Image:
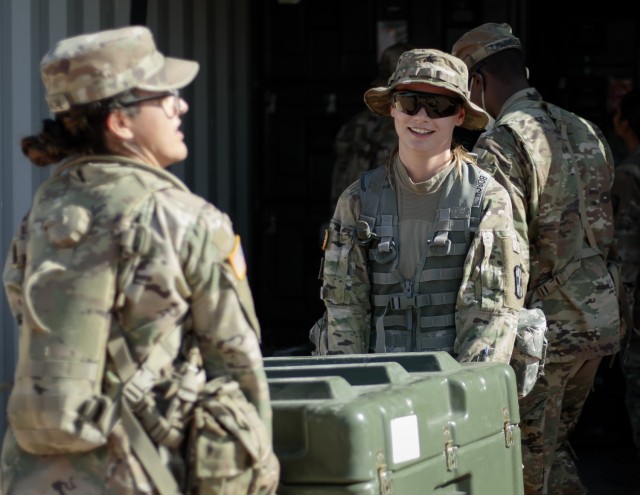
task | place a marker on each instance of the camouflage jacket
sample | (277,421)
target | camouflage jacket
(363,143)
(193,277)
(625,196)
(485,311)
(526,152)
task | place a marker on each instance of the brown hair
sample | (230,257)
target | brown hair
(459,152)
(79,131)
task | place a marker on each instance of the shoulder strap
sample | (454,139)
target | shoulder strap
(371,184)
(139,380)
(557,118)
(470,194)
(563,275)
(379,215)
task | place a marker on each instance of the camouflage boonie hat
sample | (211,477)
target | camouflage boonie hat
(91,67)
(429,66)
(484,40)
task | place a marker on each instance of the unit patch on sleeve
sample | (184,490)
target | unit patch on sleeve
(237,261)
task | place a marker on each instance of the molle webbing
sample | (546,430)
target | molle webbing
(418,314)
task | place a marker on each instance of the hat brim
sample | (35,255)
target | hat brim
(175,74)
(379,101)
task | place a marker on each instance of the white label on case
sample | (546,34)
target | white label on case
(405,441)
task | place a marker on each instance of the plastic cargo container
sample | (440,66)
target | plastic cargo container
(401,424)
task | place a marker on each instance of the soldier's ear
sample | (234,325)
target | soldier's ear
(118,124)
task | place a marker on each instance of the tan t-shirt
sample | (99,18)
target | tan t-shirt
(417,205)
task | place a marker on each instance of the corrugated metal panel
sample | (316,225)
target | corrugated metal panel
(214,32)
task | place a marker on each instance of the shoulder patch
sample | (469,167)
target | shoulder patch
(237,261)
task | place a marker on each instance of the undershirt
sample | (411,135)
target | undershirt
(417,205)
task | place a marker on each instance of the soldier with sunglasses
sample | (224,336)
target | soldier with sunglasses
(558,169)
(421,255)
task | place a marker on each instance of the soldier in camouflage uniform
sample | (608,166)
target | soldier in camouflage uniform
(427,271)
(625,196)
(558,170)
(366,140)
(184,379)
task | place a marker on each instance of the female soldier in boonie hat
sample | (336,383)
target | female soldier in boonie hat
(433,68)
(131,295)
(421,255)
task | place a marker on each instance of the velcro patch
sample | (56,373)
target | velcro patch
(237,261)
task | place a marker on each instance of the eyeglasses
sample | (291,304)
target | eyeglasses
(170,101)
(437,106)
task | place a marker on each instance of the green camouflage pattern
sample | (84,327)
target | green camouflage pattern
(554,405)
(525,153)
(558,170)
(364,142)
(486,313)
(94,66)
(626,199)
(483,41)
(193,277)
(429,66)
(546,189)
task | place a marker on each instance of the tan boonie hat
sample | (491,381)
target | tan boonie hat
(484,40)
(94,66)
(429,66)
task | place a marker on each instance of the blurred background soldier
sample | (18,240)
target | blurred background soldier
(558,169)
(625,196)
(366,140)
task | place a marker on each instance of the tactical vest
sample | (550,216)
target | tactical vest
(418,314)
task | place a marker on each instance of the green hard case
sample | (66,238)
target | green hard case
(401,424)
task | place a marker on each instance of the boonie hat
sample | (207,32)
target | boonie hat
(429,66)
(484,40)
(91,67)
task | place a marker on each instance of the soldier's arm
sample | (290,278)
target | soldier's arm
(492,289)
(501,156)
(222,307)
(345,281)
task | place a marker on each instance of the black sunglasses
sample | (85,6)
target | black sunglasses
(437,106)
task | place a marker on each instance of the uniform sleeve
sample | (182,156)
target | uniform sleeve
(508,164)
(222,307)
(492,289)
(345,286)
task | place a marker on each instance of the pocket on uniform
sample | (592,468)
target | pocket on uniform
(336,276)
(491,290)
(229,443)
(529,352)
